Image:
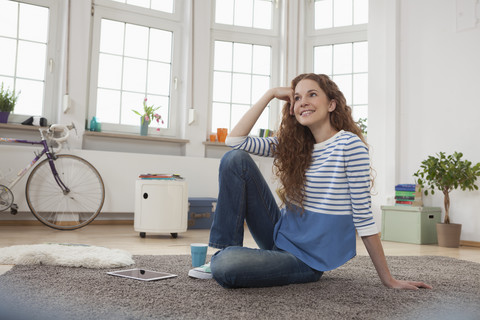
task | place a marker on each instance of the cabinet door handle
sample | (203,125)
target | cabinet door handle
(201,215)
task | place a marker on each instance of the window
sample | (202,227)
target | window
(27,42)
(134,63)
(339,13)
(244,55)
(244,13)
(338,48)
(347,65)
(133,59)
(241,74)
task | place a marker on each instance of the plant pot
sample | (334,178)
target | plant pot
(448,234)
(4,116)
(144,127)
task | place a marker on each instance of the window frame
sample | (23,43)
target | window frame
(330,36)
(53,63)
(175,16)
(274,32)
(125,13)
(254,36)
(330,39)
(335,35)
(309,10)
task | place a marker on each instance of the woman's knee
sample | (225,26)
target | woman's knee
(234,159)
(239,267)
(224,265)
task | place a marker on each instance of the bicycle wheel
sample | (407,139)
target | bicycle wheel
(6,198)
(65,210)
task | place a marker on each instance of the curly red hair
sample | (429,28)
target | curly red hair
(293,154)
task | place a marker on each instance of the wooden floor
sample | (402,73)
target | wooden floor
(124,237)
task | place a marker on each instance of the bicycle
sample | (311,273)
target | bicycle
(63,192)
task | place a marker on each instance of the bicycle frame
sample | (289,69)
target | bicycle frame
(38,156)
(53,203)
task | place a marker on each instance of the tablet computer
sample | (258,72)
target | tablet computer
(142,274)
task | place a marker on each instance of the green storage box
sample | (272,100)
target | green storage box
(410,224)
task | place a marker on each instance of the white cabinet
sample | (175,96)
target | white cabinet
(161,206)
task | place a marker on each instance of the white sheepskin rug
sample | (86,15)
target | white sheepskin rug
(68,255)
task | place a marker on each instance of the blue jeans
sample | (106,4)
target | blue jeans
(245,196)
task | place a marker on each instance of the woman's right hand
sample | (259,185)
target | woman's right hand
(246,123)
(285,94)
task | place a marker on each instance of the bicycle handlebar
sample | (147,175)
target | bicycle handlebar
(62,128)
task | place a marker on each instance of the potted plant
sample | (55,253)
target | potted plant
(362,123)
(148,115)
(446,173)
(8,99)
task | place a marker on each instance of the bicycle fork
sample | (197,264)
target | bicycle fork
(59,181)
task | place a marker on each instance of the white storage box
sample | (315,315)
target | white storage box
(161,206)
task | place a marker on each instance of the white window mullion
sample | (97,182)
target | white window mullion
(17,35)
(148,60)
(230,104)
(177,6)
(122,73)
(251,74)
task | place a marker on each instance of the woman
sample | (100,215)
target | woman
(323,165)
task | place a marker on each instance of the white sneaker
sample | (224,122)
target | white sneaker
(202,272)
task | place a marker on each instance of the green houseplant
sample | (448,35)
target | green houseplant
(447,173)
(362,123)
(8,99)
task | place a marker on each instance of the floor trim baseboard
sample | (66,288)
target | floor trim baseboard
(470,243)
(465,243)
(38,223)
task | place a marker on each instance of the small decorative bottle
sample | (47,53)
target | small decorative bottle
(93,124)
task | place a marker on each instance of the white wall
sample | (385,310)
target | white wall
(120,170)
(77,66)
(430,104)
(423,92)
(383,100)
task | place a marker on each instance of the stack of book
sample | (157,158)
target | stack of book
(160,176)
(408,195)
(265,133)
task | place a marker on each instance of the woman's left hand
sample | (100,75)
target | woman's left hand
(375,250)
(408,285)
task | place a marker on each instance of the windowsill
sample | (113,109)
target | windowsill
(134,137)
(215,144)
(18,126)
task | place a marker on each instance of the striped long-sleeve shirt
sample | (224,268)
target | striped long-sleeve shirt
(337,201)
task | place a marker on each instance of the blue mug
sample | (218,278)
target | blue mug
(199,254)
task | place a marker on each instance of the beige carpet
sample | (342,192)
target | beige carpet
(350,292)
